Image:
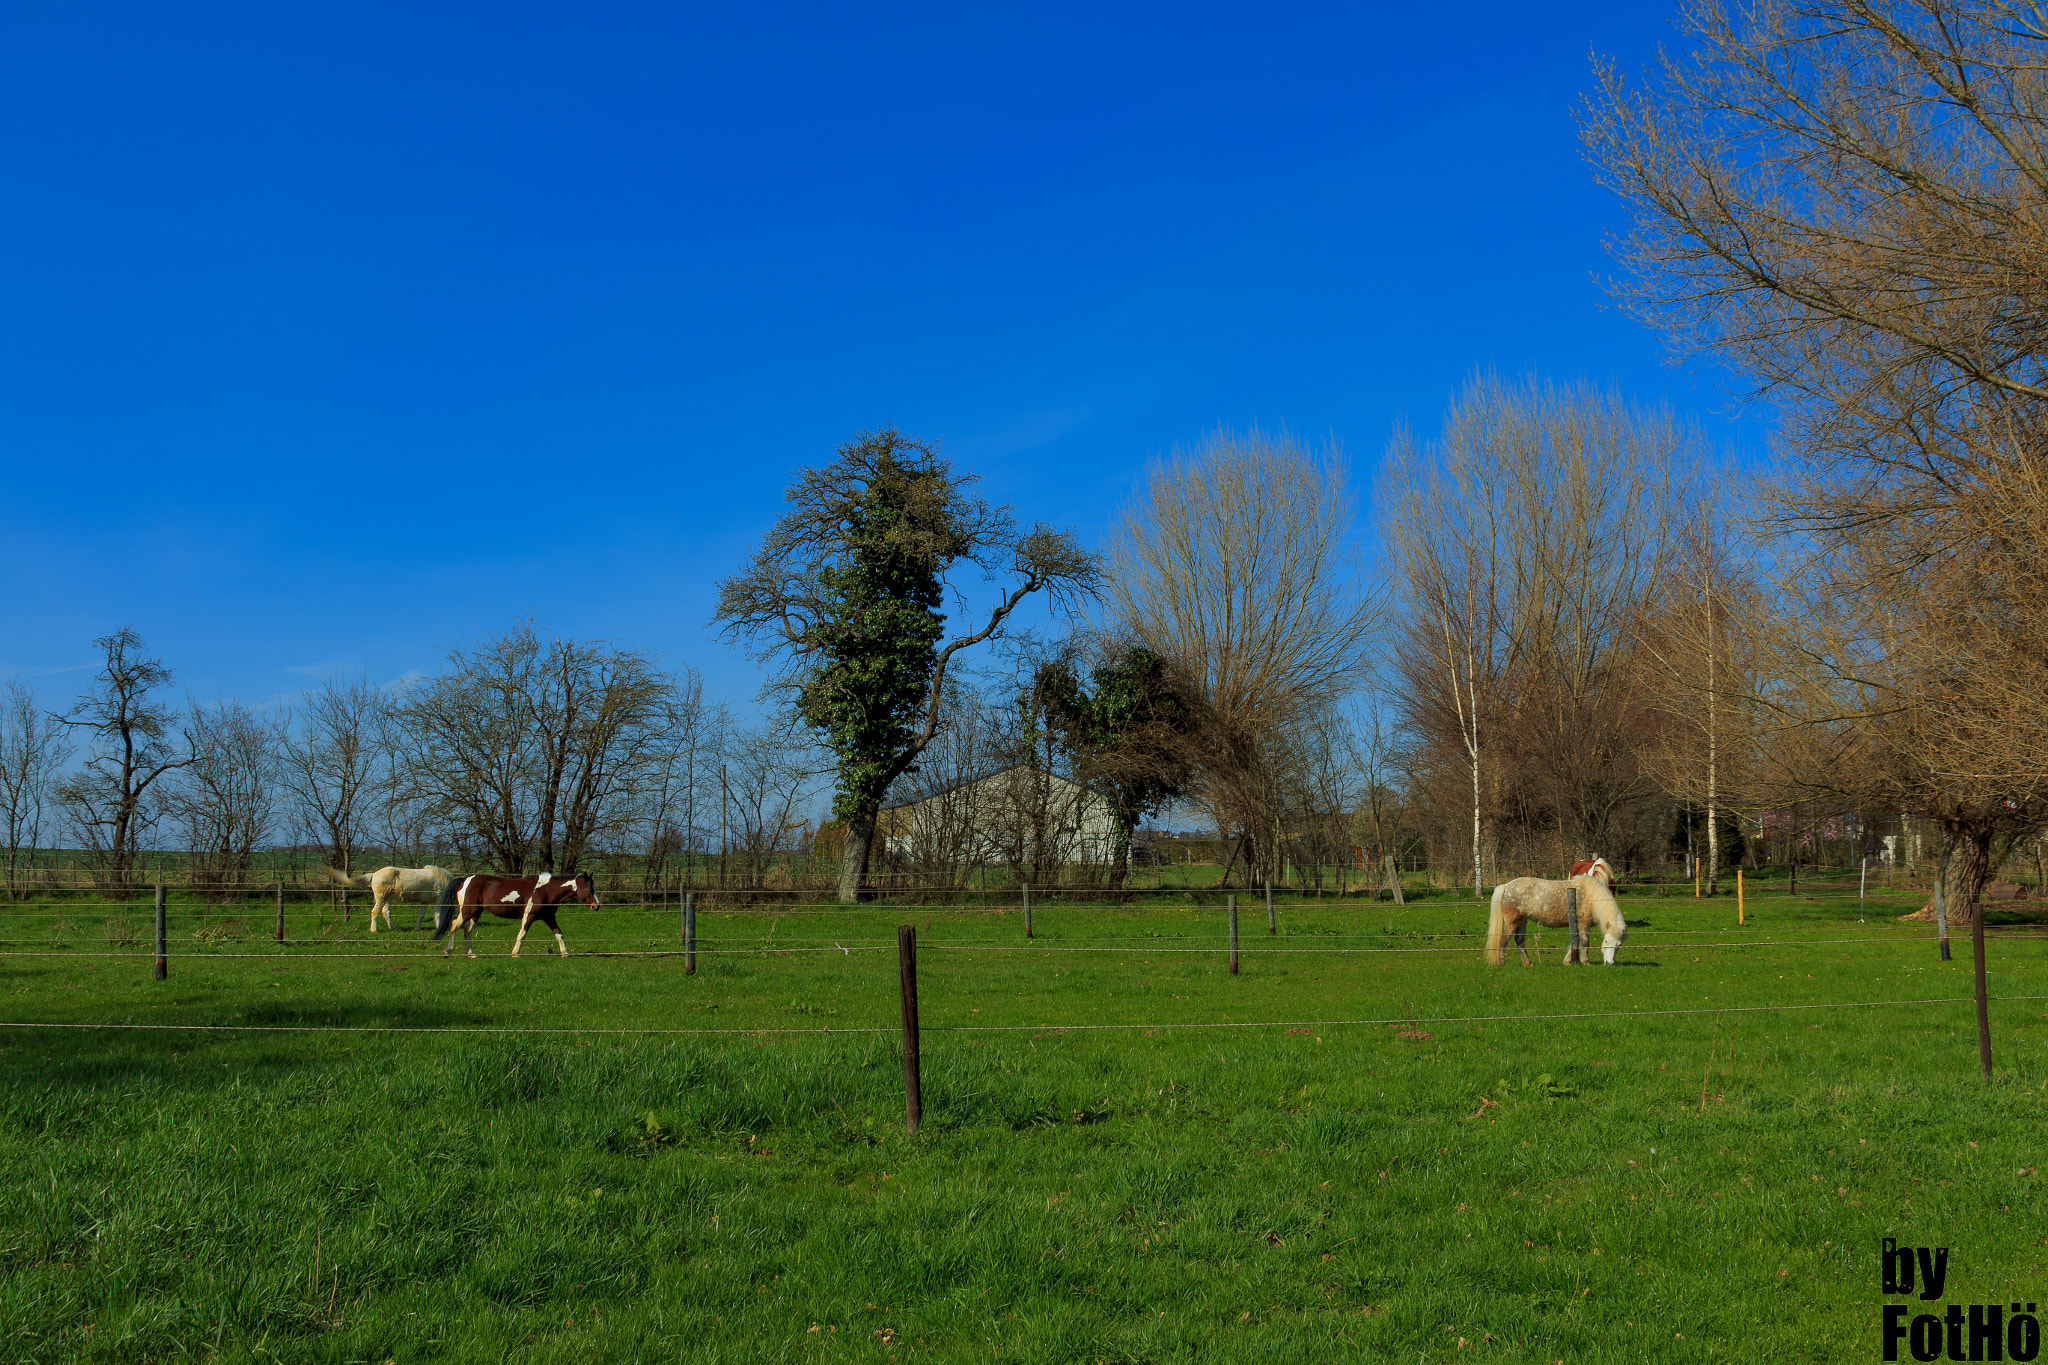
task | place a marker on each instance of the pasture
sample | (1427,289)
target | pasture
(1364,1146)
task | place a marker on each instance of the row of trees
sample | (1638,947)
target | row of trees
(1584,640)
(526,754)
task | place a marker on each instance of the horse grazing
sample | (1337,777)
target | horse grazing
(419,885)
(1517,902)
(1595,866)
(529,898)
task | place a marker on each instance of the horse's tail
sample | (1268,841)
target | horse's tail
(445,907)
(1496,930)
(360,880)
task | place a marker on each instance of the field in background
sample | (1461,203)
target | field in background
(1364,1146)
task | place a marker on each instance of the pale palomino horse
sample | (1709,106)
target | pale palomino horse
(417,885)
(1517,902)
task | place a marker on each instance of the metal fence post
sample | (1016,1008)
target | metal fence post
(1233,936)
(163,942)
(280,912)
(906,976)
(1571,915)
(1272,925)
(689,933)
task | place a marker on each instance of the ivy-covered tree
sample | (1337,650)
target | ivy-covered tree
(846,596)
(1128,739)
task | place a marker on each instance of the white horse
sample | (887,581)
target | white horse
(427,885)
(1517,902)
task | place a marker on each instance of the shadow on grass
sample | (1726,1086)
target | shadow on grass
(193,1058)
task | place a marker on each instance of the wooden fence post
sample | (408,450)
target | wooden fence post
(689,933)
(1940,916)
(1862,889)
(1233,936)
(1738,898)
(1027,910)
(1394,881)
(280,912)
(1983,1010)
(906,974)
(163,942)
(1272,925)
(1571,916)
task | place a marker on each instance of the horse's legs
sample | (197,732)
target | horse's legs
(525,923)
(467,925)
(1522,939)
(561,943)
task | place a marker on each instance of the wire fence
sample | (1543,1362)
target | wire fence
(1218,943)
(1386,1021)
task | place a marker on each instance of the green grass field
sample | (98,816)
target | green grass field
(1366,1146)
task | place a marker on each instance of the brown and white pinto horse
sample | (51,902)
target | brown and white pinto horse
(528,898)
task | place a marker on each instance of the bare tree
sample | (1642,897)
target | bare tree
(684,761)
(327,767)
(941,833)
(1700,678)
(532,750)
(1531,536)
(599,713)
(227,799)
(1236,565)
(33,747)
(471,746)
(1842,200)
(130,731)
(771,777)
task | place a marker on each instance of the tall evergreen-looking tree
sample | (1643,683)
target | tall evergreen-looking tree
(846,594)
(1129,739)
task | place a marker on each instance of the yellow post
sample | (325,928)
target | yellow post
(1695,881)
(1738,895)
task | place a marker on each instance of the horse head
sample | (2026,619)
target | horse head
(585,887)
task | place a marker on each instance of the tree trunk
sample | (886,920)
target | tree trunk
(853,863)
(1120,855)
(1965,867)
(1478,870)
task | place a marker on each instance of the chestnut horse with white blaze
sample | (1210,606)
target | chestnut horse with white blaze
(1595,866)
(527,898)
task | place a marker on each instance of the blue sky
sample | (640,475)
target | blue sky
(335,336)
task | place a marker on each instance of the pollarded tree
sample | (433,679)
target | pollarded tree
(846,593)
(1129,739)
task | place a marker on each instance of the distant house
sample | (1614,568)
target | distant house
(1017,815)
